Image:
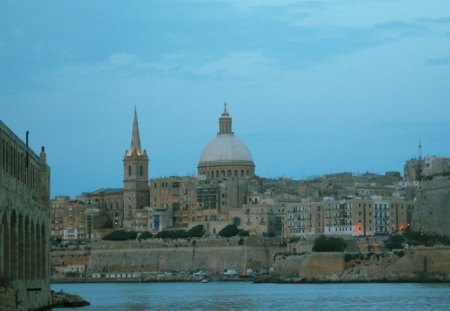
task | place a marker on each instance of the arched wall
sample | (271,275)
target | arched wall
(23,245)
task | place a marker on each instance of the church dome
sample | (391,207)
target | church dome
(225,148)
(226,155)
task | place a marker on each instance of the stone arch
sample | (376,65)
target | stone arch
(27,248)
(6,246)
(14,246)
(21,248)
(32,251)
(38,251)
(44,263)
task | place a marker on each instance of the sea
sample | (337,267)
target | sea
(250,296)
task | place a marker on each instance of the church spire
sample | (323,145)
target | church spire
(135,139)
(225,122)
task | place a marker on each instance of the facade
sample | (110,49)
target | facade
(436,166)
(24,221)
(72,219)
(416,169)
(353,216)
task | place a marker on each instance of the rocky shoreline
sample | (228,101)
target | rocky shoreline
(65,300)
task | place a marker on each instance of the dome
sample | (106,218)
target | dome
(225,148)
(226,156)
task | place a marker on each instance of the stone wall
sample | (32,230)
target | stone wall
(431,213)
(211,256)
(413,265)
(24,223)
(7,299)
(309,265)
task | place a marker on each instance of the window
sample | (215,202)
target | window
(141,171)
(129,170)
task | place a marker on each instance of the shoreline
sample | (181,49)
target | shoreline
(258,280)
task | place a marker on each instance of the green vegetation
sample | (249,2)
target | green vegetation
(145,235)
(195,232)
(420,238)
(329,244)
(398,240)
(121,235)
(229,231)
(243,233)
(171,234)
(395,241)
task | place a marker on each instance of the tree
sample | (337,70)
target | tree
(394,241)
(329,244)
(196,232)
(171,234)
(145,235)
(120,235)
(229,231)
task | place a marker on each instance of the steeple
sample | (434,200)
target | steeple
(135,138)
(225,122)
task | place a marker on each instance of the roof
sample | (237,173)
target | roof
(225,148)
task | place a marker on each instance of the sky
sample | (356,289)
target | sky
(313,87)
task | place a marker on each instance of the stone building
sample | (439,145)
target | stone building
(24,221)
(352,216)
(135,172)
(109,202)
(72,219)
(226,155)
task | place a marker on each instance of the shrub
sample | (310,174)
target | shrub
(243,233)
(145,235)
(427,239)
(229,231)
(171,234)
(120,235)
(196,232)
(329,244)
(395,241)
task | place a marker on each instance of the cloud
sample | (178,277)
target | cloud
(439,61)
(242,65)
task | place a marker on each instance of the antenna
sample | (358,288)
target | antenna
(420,150)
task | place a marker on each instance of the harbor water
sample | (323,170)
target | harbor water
(250,296)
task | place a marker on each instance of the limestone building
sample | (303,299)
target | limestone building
(226,155)
(72,219)
(24,222)
(135,171)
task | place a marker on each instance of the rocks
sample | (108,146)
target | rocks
(66,300)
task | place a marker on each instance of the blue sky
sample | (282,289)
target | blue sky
(314,87)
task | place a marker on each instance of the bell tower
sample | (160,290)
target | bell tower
(136,193)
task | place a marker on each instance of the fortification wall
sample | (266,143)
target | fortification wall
(432,209)
(418,264)
(213,259)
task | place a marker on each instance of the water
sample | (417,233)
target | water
(249,296)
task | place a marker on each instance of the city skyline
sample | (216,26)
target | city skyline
(313,87)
